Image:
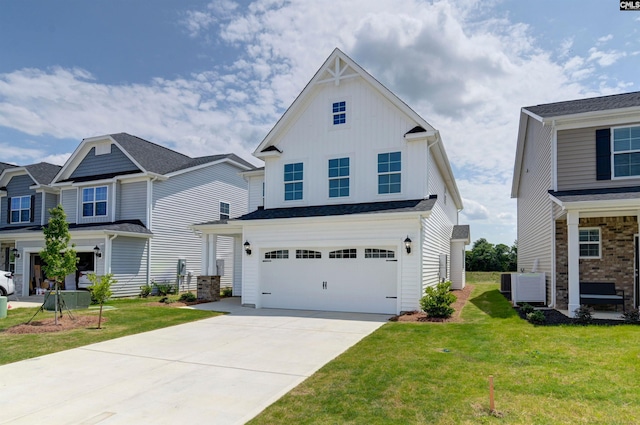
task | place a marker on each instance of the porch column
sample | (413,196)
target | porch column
(204,255)
(212,254)
(573,258)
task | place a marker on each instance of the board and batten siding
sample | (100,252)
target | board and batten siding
(535,213)
(373,126)
(128,265)
(190,198)
(107,164)
(69,201)
(132,201)
(577,161)
(19,186)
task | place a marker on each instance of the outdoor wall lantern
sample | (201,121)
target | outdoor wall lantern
(96,251)
(247,247)
(15,253)
(407,245)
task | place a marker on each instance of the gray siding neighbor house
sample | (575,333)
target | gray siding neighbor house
(577,184)
(131,199)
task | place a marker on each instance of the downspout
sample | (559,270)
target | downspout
(149,219)
(554,186)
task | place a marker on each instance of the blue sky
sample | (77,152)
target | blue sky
(206,77)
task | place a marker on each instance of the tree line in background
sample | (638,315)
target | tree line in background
(487,257)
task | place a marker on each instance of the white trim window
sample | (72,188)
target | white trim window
(293,177)
(224,211)
(94,201)
(339,112)
(590,242)
(21,209)
(389,172)
(626,151)
(338,177)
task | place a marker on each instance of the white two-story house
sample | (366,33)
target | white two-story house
(356,208)
(129,203)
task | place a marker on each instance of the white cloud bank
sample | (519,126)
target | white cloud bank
(466,72)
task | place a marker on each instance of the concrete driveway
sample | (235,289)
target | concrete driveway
(223,370)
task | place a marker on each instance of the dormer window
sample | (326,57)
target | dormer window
(339,112)
(94,201)
(21,209)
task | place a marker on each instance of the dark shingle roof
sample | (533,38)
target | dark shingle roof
(161,160)
(610,194)
(593,104)
(4,166)
(152,157)
(43,172)
(461,232)
(416,205)
(129,226)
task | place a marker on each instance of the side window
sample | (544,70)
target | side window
(339,110)
(589,242)
(224,211)
(293,178)
(389,172)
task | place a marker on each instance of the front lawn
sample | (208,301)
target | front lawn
(128,316)
(429,373)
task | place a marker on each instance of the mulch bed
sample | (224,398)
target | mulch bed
(555,318)
(65,323)
(462,295)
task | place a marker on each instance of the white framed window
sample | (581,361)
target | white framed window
(389,172)
(590,244)
(21,209)
(224,211)
(338,177)
(293,178)
(339,112)
(625,143)
(94,201)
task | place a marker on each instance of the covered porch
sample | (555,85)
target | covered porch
(596,242)
(222,250)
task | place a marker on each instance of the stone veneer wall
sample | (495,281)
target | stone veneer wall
(615,265)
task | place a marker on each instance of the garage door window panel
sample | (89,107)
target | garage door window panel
(344,253)
(379,253)
(307,253)
(277,254)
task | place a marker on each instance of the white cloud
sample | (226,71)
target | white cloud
(605,58)
(474,210)
(605,38)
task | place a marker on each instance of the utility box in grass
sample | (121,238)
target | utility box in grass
(73,300)
(208,288)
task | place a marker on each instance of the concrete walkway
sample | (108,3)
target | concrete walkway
(223,370)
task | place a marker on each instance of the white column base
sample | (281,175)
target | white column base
(572,309)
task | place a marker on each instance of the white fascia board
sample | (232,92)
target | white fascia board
(429,136)
(218,229)
(603,206)
(101,233)
(608,117)
(267,154)
(253,173)
(45,189)
(377,217)
(517,166)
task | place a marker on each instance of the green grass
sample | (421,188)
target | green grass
(125,317)
(425,373)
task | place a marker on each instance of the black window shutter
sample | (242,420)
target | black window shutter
(8,210)
(603,154)
(33,208)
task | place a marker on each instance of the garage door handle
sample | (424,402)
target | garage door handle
(266,293)
(324,285)
(395,261)
(395,298)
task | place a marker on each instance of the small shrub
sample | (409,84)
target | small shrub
(188,297)
(145,290)
(437,300)
(583,314)
(166,300)
(536,317)
(631,316)
(165,289)
(526,308)
(227,291)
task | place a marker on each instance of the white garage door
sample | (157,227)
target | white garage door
(340,279)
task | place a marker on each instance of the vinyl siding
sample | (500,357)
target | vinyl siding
(19,186)
(69,201)
(132,201)
(92,165)
(436,241)
(374,126)
(51,201)
(190,198)
(577,161)
(535,221)
(128,265)
(256,198)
